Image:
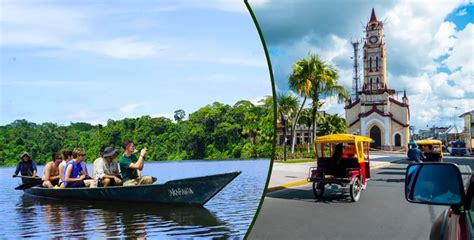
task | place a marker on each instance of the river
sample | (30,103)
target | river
(227,215)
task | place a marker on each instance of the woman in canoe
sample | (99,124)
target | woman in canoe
(72,177)
(67,156)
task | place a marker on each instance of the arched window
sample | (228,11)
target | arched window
(370,64)
(376,63)
(377,83)
(398,140)
(370,84)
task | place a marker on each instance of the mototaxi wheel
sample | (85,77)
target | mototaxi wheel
(355,189)
(318,189)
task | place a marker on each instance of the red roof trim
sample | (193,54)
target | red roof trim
(352,124)
(399,123)
(397,102)
(374,110)
(352,104)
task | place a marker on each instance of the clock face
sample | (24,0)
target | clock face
(373,39)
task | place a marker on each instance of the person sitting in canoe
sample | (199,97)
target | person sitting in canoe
(106,169)
(51,171)
(131,167)
(67,156)
(27,168)
(84,170)
(72,177)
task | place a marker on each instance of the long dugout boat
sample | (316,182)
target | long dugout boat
(192,191)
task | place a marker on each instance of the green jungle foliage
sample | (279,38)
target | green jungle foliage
(329,124)
(215,131)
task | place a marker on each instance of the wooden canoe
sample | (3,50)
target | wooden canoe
(194,191)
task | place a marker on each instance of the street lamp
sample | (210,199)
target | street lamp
(285,122)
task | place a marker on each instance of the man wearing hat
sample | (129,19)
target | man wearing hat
(106,171)
(26,166)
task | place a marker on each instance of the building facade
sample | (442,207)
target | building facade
(376,113)
(467,134)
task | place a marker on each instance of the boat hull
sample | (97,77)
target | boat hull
(194,191)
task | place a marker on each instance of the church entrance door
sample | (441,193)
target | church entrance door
(376,135)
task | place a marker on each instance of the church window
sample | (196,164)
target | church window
(370,64)
(377,83)
(376,63)
(398,140)
(371,87)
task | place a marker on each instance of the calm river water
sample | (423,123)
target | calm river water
(227,215)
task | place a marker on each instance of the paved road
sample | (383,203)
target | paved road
(381,213)
(288,172)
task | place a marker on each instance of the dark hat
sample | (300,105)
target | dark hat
(108,152)
(25,154)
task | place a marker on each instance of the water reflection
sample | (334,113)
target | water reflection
(227,215)
(105,220)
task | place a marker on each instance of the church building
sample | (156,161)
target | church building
(375,112)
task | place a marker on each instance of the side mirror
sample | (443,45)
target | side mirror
(434,183)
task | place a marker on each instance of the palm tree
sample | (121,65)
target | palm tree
(305,119)
(287,104)
(315,79)
(332,124)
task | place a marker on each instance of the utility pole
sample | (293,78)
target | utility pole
(355,81)
(285,139)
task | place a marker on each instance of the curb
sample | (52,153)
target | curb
(287,185)
(305,181)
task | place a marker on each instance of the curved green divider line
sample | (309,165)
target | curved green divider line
(270,70)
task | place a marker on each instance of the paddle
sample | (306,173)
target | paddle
(37,181)
(29,177)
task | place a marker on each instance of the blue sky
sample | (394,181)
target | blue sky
(430,50)
(65,61)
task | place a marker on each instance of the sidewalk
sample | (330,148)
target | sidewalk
(287,175)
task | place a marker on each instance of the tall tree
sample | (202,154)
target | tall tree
(287,104)
(315,79)
(179,115)
(332,124)
(305,119)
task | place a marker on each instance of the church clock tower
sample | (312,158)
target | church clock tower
(378,113)
(375,66)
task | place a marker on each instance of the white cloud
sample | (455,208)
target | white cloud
(461,60)
(85,115)
(38,24)
(257,101)
(169,115)
(444,39)
(132,107)
(122,48)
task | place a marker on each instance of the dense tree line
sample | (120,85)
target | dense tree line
(215,131)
